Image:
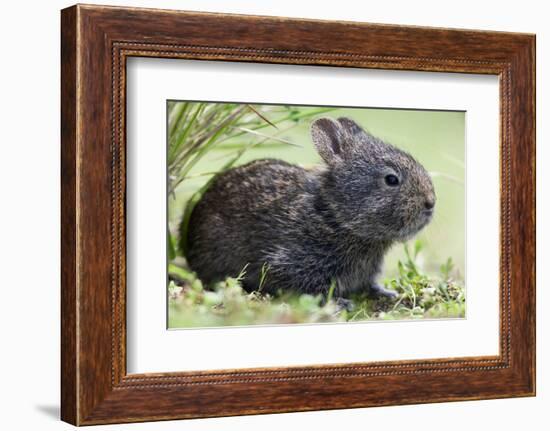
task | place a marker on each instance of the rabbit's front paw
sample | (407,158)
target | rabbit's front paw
(377,291)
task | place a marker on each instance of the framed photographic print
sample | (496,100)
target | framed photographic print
(322,214)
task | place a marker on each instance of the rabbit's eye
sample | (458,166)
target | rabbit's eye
(392,180)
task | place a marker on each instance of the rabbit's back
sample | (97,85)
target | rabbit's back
(246,213)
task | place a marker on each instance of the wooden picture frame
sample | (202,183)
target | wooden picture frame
(95,43)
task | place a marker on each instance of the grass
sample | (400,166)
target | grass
(420,296)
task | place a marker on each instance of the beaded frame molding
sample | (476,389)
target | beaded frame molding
(95,43)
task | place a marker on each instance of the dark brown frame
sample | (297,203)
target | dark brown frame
(95,43)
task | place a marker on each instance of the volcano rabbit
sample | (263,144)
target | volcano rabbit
(310,228)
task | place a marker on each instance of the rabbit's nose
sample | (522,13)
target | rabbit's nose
(429,204)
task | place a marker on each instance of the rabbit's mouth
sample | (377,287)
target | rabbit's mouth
(427,213)
(423,218)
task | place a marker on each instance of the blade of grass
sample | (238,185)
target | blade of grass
(181,138)
(263,276)
(177,113)
(331,290)
(253,132)
(261,116)
(171,247)
(447,177)
(180,272)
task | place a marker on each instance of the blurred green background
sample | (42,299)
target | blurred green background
(435,138)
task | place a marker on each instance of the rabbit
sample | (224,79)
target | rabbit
(307,230)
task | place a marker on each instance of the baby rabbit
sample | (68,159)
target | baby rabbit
(308,229)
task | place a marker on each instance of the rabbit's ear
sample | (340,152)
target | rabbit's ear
(350,126)
(329,138)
